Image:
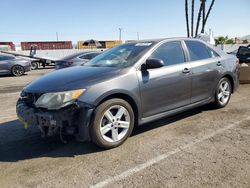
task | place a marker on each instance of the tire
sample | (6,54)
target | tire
(34,65)
(223,93)
(116,127)
(17,70)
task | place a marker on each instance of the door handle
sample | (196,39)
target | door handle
(186,70)
(218,63)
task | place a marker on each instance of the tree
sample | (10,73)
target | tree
(244,42)
(230,41)
(192,22)
(187,19)
(201,13)
(203,4)
(224,40)
(221,40)
(208,13)
(198,20)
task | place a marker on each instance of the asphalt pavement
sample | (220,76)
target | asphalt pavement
(203,147)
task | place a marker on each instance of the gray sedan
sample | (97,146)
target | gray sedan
(13,65)
(129,85)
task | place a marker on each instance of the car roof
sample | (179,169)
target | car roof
(162,39)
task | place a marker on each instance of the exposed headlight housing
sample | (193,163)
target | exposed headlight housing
(57,100)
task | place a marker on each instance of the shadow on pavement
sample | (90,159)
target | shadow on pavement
(171,119)
(17,143)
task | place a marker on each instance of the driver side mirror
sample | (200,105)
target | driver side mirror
(152,63)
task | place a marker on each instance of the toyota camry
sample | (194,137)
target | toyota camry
(127,86)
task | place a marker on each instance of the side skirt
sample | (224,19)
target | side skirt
(175,111)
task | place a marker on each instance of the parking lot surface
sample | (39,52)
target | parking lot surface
(204,147)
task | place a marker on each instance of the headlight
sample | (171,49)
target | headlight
(55,101)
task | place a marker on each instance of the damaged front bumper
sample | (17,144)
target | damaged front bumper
(72,120)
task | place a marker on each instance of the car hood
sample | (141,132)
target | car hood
(70,79)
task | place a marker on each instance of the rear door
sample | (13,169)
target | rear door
(206,68)
(168,87)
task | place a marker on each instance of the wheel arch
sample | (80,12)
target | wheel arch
(125,97)
(230,78)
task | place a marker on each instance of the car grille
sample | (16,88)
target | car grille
(30,98)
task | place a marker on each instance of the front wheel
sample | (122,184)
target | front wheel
(34,65)
(223,93)
(113,123)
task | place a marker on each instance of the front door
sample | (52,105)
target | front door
(169,87)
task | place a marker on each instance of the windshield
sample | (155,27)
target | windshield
(121,56)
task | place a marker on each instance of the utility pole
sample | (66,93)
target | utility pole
(138,36)
(57,36)
(120,34)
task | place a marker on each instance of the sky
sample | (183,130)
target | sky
(74,20)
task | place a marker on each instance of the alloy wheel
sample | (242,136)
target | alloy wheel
(114,123)
(224,92)
(17,70)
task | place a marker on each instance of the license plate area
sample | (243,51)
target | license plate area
(45,120)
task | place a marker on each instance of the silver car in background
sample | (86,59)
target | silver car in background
(11,65)
(76,59)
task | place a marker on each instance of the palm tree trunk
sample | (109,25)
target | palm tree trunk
(208,13)
(187,20)
(203,15)
(192,22)
(198,20)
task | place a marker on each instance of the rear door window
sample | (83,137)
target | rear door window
(170,52)
(212,53)
(198,50)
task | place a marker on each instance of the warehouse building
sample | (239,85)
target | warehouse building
(8,45)
(47,45)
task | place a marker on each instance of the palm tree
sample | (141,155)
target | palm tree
(203,14)
(221,40)
(198,20)
(192,22)
(187,20)
(208,13)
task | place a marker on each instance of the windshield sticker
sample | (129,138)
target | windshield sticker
(144,44)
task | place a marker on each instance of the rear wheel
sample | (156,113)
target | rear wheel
(113,123)
(223,93)
(17,70)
